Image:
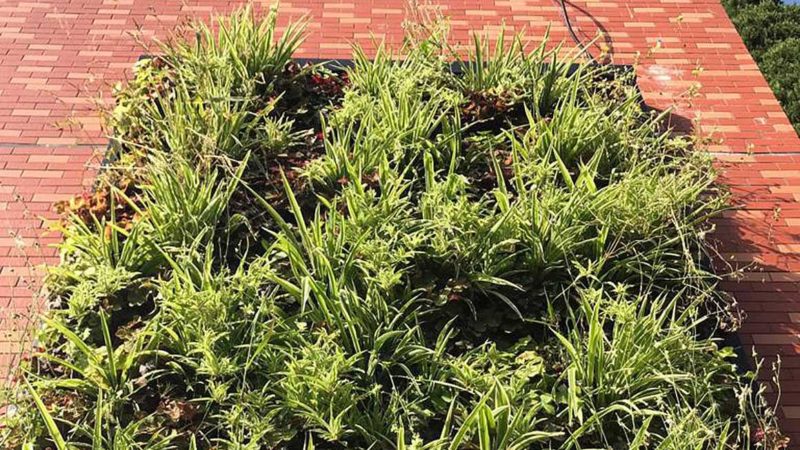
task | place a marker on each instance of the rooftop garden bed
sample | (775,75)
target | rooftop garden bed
(390,255)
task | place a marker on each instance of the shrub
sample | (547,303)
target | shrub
(771,30)
(388,256)
(780,65)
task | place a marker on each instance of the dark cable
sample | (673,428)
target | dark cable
(574,36)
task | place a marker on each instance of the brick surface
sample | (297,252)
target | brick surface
(58,59)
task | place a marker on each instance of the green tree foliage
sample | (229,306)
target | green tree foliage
(771,31)
(781,63)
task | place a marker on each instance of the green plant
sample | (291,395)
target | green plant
(181,204)
(512,257)
(244,44)
(499,424)
(209,97)
(650,357)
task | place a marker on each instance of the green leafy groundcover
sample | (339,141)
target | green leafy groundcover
(391,256)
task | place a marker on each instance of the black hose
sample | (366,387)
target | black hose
(572,34)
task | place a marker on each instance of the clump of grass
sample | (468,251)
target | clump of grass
(394,256)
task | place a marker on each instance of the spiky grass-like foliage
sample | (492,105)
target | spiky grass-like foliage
(511,256)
